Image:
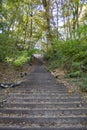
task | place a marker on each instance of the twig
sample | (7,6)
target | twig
(2,74)
(2,102)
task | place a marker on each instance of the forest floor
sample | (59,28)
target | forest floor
(72,84)
(60,75)
(12,74)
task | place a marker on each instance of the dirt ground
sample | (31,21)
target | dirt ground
(72,84)
(68,82)
(12,74)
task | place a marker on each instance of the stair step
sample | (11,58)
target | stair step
(42,115)
(63,110)
(45,100)
(45,92)
(58,128)
(48,105)
(45,112)
(42,95)
(45,97)
(41,92)
(78,109)
(52,90)
(53,121)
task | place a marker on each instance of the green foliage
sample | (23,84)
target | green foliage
(17,34)
(7,46)
(83,85)
(71,55)
(76,66)
(75,70)
(74,74)
(21,59)
(53,64)
(32,51)
(49,54)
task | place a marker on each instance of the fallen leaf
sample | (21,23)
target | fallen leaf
(70,90)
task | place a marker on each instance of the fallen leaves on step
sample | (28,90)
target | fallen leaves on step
(70,90)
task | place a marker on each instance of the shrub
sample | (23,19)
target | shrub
(83,87)
(21,59)
(74,74)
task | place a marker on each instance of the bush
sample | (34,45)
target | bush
(74,74)
(54,64)
(83,87)
(21,59)
(71,55)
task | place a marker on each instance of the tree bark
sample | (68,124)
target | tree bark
(46,5)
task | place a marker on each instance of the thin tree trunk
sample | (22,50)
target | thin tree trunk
(31,22)
(57,18)
(46,5)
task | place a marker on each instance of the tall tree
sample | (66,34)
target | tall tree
(46,5)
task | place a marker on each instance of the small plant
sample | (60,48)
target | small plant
(74,74)
(54,64)
(83,87)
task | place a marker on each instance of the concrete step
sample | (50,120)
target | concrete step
(52,121)
(58,128)
(20,94)
(44,96)
(43,113)
(45,100)
(42,93)
(45,106)
(40,90)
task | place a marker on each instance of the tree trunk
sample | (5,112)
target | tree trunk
(46,5)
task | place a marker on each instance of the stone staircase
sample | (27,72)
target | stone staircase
(41,103)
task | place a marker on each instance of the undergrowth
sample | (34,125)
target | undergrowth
(20,57)
(71,56)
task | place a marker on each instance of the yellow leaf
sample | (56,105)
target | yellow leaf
(70,90)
